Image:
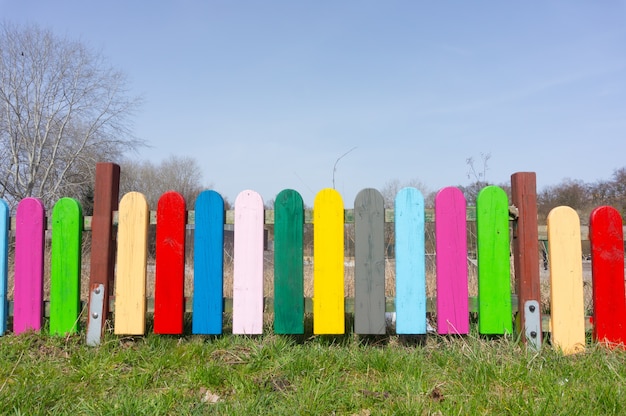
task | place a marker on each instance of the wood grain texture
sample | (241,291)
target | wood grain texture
(288,263)
(65,266)
(29,249)
(566,280)
(369,262)
(208,264)
(4,262)
(525,243)
(494,266)
(607,267)
(169,293)
(132,253)
(328,267)
(102,260)
(451,246)
(410,262)
(248,266)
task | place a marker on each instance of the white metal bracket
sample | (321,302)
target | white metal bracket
(532,324)
(96,310)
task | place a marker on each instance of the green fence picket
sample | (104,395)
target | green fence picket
(494,266)
(65,266)
(288,263)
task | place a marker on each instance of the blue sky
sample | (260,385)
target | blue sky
(266,95)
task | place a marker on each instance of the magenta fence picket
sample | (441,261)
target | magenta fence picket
(249,305)
(29,263)
(451,241)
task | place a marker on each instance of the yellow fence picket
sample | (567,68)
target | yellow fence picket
(132,253)
(566,280)
(328,268)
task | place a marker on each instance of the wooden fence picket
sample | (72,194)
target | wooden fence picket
(410,262)
(494,266)
(65,266)
(606,236)
(169,294)
(288,263)
(5,221)
(248,266)
(29,249)
(451,246)
(328,266)
(132,253)
(208,264)
(566,280)
(369,263)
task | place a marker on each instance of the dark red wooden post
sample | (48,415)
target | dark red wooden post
(526,244)
(106,199)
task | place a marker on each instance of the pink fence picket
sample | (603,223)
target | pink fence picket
(29,249)
(451,246)
(248,267)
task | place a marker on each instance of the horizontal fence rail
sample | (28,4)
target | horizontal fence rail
(229,216)
(120,238)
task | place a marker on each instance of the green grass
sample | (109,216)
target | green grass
(278,375)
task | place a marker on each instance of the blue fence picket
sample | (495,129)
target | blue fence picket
(208,266)
(410,262)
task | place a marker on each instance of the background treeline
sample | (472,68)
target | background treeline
(584,196)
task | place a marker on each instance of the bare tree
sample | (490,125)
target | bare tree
(177,173)
(573,193)
(62,109)
(611,192)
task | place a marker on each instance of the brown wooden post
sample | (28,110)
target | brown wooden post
(526,244)
(101,278)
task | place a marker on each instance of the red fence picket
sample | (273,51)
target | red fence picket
(607,264)
(169,292)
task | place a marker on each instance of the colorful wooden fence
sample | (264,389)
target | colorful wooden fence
(495,303)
